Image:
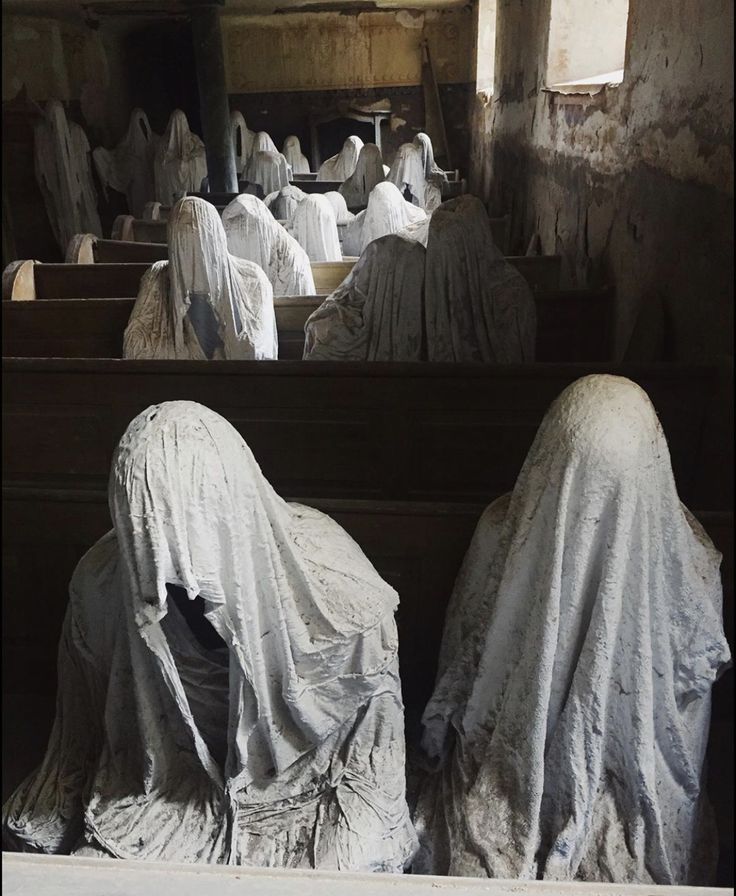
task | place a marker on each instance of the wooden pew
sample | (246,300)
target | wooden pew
(26,280)
(317,186)
(571,326)
(86,248)
(138,230)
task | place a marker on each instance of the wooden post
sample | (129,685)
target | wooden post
(213,103)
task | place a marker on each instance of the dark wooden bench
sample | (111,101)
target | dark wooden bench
(572,326)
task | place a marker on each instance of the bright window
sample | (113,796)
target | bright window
(486,46)
(587,43)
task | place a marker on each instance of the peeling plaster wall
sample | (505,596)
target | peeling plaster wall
(633,186)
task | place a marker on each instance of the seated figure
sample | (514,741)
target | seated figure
(343,215)
(180,163)
(228,675)
(282,203)
(293,154)
(269,170)
(368,172)
(387,212)
(570,715)
(314,227)
(255,235)
(434,176)
(342,165)
(203,303)
(243,141)
(478,307)
(128,168)
(376,312)
(408,174)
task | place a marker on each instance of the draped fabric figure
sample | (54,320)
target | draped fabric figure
(341,166)
(407,173)
(202,303)
(180,164)
(128,168)
(255,235)
(262,142)
(314,227)
(387,212)
(376,312)
(343,215)
(268,169)
(282,203)
(243,141)
(64,175)
(368,172)
(274,736)
(571,710)
(293,154)
(478,307)
(434,176)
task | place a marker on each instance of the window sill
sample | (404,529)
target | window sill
(579,95)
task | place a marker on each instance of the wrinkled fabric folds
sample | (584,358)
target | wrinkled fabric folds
(292,152)
(342,165)
(128,168)
(368,172)
(387,212)
(180,163)
(314,227)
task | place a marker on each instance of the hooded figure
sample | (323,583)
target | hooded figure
(292,152)
(376,312)
(261,143)
(314,227)
(407,173)
(368,172)
(387,212)
(478,307)
(268,169)
(343,215)
(228,674)
(434,176)
(201,304)
(243,140)
(571,710)
(64,175)
(129,167)
(180,164)
(341,166)
(282,203)
(254,234)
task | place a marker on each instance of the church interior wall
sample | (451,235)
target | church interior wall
(632,186)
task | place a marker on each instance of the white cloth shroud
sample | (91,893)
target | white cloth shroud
(387,212)
(63,171)
(314,227)
(180,163)
(368,172)
(282,748)
(478,307)
(255,235)
(342,165)
(262,142)
(571,710)
(376,312)
(268,169)
(203,303)
(408,173)
(293,154)
(435,178)
(243,141)
(282,203)
(128,168)
(343,215)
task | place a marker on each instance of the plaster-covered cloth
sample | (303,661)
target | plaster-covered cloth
(283,747)
(63,172)
(243,141)
(478,306)
(261,143)
(387,212)
(180,164)
(268,169)
(407,173)
(254,234)
(571,710)
(376,312)
(343,215)
(203,303)
(314,227)
(368,172)
(128,168)
(293,154)
(434,176)
(341,166)
(282,203)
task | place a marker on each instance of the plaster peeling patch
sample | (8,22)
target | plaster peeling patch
(396,123)
(408,19)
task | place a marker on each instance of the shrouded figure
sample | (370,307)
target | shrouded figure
(342,165)
(408,174)
(262,142)
(478,307)
(180,164)
(228,675)
(368,172)
(387,212)
(293,154)
(434,176)
(571,709)
(282,203)
(269,170)
(203,303)
(62,165)
(314,226)
(343,215)
(376,312)
(255,235)
(243,140)
(129,167)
